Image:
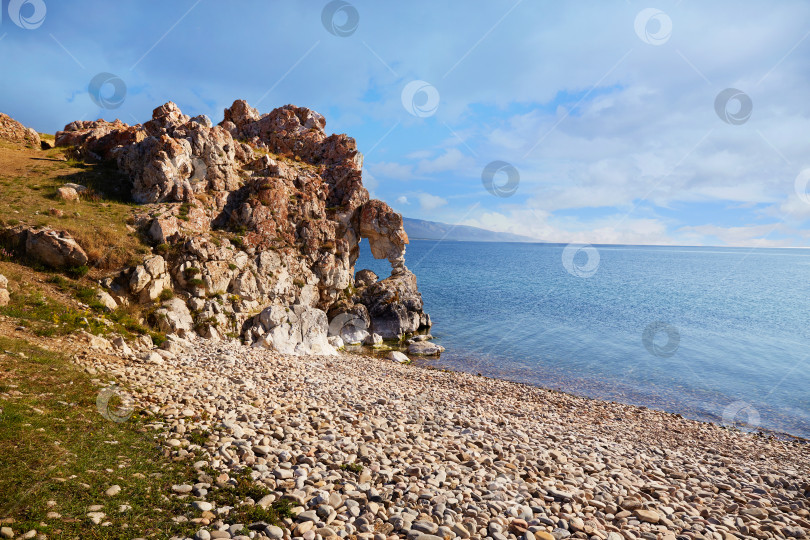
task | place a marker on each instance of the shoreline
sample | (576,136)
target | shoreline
(689,414)
(426,453)
(426,362)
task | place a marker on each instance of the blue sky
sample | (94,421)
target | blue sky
(605,111)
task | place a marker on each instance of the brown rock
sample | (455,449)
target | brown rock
(755,512)
(364,278)
(54,248)
(385,232)
(67,194)
(648,516)
(14,132)
(518,526)
(164,230)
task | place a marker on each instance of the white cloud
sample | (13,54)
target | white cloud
(430,202)
(402,199)
(752,235)
(450,160)
(543,226)
(389,170)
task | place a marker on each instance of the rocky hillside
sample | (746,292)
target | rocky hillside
(254,226)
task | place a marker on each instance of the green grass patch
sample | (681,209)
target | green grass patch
(353,467)
(47,316)
(58,447)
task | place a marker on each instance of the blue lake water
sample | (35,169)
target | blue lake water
(719,334)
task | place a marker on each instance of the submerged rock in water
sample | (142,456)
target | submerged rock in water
(425,348)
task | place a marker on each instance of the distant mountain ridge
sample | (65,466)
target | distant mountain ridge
(419,229)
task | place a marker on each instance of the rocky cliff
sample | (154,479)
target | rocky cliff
(256,224)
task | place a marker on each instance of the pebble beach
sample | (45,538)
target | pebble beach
(366,448)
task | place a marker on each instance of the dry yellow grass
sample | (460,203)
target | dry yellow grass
(29,179)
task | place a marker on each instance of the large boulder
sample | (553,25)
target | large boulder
(351,326)
(298,330)
(174,317)
(53,248)
(394,306)
(16,133)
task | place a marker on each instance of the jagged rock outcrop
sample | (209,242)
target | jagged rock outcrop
(394,305)
(264,211)
(385,232)
(16,133)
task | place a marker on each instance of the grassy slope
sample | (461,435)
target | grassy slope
(28,182)
(57,447)
(58,453)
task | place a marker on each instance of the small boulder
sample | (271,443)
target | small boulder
(107,300)
(364,278)
(4,295)
(151,357)
(164,230)
(425,348)
(67,194)
(78,187)
(334,341)
(373,340)
(397,356)
(299,330)
(174,317)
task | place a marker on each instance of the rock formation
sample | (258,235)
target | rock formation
(16,133)
(260,217)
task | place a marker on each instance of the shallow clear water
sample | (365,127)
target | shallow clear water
(728,329)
